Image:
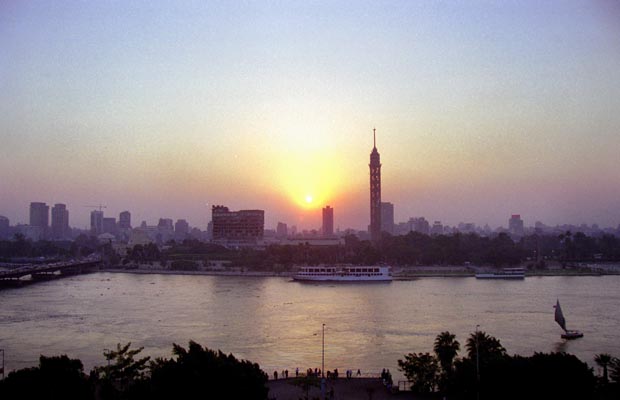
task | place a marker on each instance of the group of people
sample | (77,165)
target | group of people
(386,377)
(317,372)
(284,374)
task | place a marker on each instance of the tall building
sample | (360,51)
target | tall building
(375,191)
(328,221)
(387,217)
(437,228)
(60,221)
(181,227)
(39,214)
(166,224)
(181,230)
(165,230)
(4,227)
(124,220)
(39,221)
(421,225)
(281,230)
(96,222)
(515,225)
(244,226)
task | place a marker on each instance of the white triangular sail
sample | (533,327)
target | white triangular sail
(559,317)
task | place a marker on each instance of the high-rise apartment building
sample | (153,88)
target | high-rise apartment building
(281,230)
(375,191)
(60,221)
(328,221)
(181,227)
(437,228)
(515,225)
(124,220)
(165,224)
(4,227)
(96,222)
(421,225)
(39,221)
(181,230)
(237,226)
(39,214)
(387,217)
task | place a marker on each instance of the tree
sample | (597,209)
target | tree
(446,348)
(421,369)
(200,373)
(124,376)
(603,360)
(614,370)
(488,348)
(57,377)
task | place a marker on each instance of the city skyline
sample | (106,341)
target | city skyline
(482,110)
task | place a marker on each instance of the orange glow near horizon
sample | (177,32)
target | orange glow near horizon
(310,180)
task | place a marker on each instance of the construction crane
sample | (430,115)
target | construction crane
(100,206)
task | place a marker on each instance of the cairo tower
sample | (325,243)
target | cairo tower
(375,191)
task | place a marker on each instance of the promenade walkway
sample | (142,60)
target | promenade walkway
(344,389)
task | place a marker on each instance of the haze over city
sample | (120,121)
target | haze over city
(482,109)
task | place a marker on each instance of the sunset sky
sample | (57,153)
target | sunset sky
(482,109)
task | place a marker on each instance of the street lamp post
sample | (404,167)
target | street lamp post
(477,366)
(323,354)
(2,367)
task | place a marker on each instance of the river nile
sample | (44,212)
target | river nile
(277,323)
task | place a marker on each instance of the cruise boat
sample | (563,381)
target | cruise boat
(506,273)
(344,273)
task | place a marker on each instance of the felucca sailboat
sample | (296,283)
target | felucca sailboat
(559,318)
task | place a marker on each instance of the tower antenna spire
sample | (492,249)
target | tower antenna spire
(374,137)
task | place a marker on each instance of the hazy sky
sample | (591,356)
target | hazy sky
(482,109)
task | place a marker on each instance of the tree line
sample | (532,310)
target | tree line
(411,249)
(488,372)
(457,249)
(193,373)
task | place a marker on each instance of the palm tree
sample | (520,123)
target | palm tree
(603,360)
(446,348)
(488,347)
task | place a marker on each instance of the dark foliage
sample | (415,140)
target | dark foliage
(195,373)
(200,373)
(55,378)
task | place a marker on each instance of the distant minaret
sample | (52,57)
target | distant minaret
(375,191)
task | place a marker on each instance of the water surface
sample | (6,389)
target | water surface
(278,323)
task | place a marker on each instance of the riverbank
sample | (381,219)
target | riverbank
(398,273)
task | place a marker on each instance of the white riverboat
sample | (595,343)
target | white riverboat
(506,273)
(344,273)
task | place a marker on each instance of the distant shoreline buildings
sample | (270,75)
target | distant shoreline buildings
(237,228)
(246,228)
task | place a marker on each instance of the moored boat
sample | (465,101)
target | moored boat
(344,273)
(506,273)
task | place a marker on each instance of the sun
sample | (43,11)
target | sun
(309,199)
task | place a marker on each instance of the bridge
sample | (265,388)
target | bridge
(26,274)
